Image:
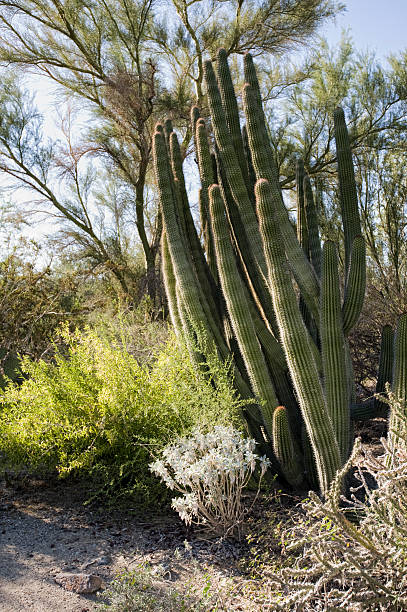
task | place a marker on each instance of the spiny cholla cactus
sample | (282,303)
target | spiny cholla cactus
(343,563)
(211,471)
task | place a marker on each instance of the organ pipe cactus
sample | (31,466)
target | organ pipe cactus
(286,449)
(398,420)
(288,348)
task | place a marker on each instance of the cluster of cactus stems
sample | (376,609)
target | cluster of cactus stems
(267,295)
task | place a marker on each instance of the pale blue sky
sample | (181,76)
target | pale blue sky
(379,25)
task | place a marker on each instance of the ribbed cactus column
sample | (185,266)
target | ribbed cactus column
(347,184)
(170,286)
(232,169)
(269,162)
(333,349)
(182,265)
(248,154)
(302,225)
(227,92)
(205,165)
(303,238)
(385,373)
(313,230)
(355,286)
(239,310)
(296,343)
(286,449)
(296,258)
(398,422)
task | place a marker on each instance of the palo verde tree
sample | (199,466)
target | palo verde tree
(113,57)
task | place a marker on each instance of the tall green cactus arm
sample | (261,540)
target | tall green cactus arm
(399,386)
(303,239)
(262,155)
(209,248)
(182,264)
(184,270)
(302,224)
(285,448)
(355,286)
(297,260)
(187,224)
(250,77)
(397,422)
(170,286)
(204,155)
(313,227)
(181,260)
(195,115)
(250,170)
(385,366)
(239,311)
(296,343)
(205,165)
(190,229)
(232,169)
(168,130)
(194,301)
(269,162)
(210,296)
(256,278)
(227,92)
(333,349)
(347,185)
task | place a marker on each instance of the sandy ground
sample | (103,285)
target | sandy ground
(45,530)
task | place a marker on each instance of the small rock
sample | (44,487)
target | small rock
(103,560)
(79,583)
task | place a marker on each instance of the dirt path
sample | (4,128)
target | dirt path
(45,530)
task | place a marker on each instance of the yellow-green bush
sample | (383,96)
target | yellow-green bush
(98,412)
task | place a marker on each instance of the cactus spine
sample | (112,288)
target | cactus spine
(238,286)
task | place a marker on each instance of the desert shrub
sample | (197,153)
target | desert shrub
(97,411)
(211,471)
(352,554)
(146,589)
(140,330)
(34,300)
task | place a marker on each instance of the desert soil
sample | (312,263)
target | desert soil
(45,529)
